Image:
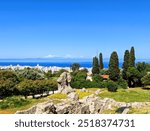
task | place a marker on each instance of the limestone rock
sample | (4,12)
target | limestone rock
(31,110)
(73,108)
(126,110)
(43,108)
(73,96)
(97,92)
(83,90)
(91,104)
(64,83)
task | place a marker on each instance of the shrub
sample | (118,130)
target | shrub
(146,80)
(6,88)
(97,78)
(112,86)
(8,75)
(122,84)
(30,74)
(30,87)
(79,76)
(102,84)
(79,80)
(25,88)
(48,74)
(87,84)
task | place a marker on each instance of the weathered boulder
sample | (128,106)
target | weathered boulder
(72,108)
(91,104)
(83,90)
(73,96)
(97,92)
(43,108)
(64,83)
(31,110)
(125,111)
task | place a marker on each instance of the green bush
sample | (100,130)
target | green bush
(33,87)
(8,75)
(112,86)
(29,74)
(79,81)
(122,84)
(13,102)
(83,84)
(102,84)
(58,73)
(97,78)
(146,80)
(6,88)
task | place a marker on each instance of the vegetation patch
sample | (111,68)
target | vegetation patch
(13,102)
(58,96)
(128,95)
(83,94)
(112,111)
(144,110)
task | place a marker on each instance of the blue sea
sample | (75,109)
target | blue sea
(61,63)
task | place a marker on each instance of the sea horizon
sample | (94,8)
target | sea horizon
(87,63)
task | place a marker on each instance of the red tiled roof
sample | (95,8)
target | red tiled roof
(105,76)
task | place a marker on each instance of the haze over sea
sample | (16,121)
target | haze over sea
(57,62)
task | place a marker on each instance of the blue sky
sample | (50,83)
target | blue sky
(73,28)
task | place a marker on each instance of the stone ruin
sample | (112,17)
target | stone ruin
(92,104)
(64,83)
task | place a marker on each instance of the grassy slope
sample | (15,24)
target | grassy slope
(13,110)
(130,95)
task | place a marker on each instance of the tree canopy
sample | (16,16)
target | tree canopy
(114,70)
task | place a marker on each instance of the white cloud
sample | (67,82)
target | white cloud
(50,56)
(67,56)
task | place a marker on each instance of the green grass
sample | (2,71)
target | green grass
(83,94)
(129,95)
(93,89)
(122,95)
(13,108)
(113,111)
(12,102)
(144,110)
(58,96)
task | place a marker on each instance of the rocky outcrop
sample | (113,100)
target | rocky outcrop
(72,108)
(97,92)
(64,83)
(43,108)
(73,96)
(88,105)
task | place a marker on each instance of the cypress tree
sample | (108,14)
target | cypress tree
(125,64)
(132,57)
(101,61)
(114,67)
(95,69)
